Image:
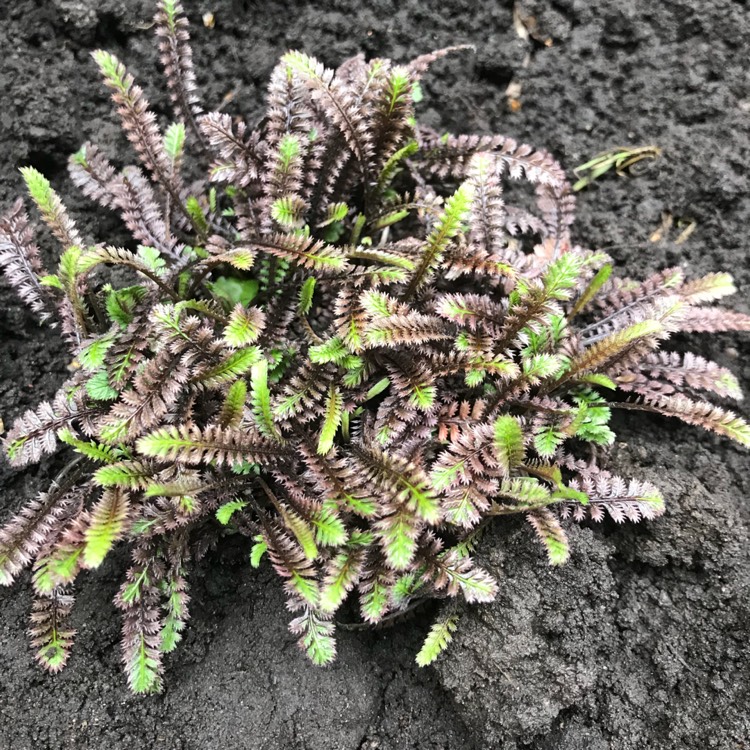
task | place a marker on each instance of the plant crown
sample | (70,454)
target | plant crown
(355,342)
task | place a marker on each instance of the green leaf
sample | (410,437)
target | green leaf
(401,88)
(378,388)
(342,574)
(405,587)
(143,669)
(176,615)
(592,421)
(53,645)
(288,211)
(46,200)
(151,259)
(170,11)
(468,545)
(302,532)
(44,577)
(729,384)
(356,371)
(406,484)
(449,224)
(562,275)
(362,506)
(332,350)
(306,293)
(106,527)
(186,504)
(335,212)
(375,597)
(544,338)
(241,258)
(508,443)
(52,280)
(225,512)
(260,398)
(558,551)
(463,510)
(235,291)
(330,530)
(398,537)
(708,288)
(383,257)
(258,550)
(331,420)
(236,364)
(193,207)
(378,304)
(79,157)
(121,304)
(443,477)
(596,378)
(233,408)
(65,564)
(133,591)
(179,488)
(126,474)
(88,448)
(563,492)
(551,535)
(599,280)
(115,431)
(422,396)
(112,69)
(440,635)
(289,150)
(618,158)
(548,441)
(68,272)
(390,168)
(91,357)
(475,378)
(305,587)
(244,326)
(303,250)
(99,389)
(524,493)
(317,637)
(174,141)
(170,635)
(390,219)
(598,355)
(540,366)
(333,232)
(476,585)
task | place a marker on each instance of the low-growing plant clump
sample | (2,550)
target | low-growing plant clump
(356,342)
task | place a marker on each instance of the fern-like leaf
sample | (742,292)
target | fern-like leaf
(550,534)
(21,262)
(49,633)
(438,639)
(192,445)
(108,523)
(316,636)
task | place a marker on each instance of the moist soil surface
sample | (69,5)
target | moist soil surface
(642,640)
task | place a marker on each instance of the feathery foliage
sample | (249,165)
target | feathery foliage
(355,342)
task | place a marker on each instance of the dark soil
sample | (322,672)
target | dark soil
(642,640)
